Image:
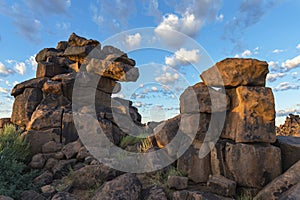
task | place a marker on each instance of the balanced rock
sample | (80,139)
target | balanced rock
(234,72)
(32,83)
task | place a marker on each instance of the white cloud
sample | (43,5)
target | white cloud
(154,88)
(3,90)
(286,112)
(187,24)
(256,50)
(220,18)
(15,83)
(273,77)
(298,46)
(291,63)
(8,83)
(167,78)
(138,104)
(133,41)
(4,71)
(246,53)
(31,61)
(236,55)
(274,65)
(286,86)
(20,67)
(277,51)
(183,57)
(294,74)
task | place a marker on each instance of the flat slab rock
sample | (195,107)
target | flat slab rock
(282,185)
(233,72)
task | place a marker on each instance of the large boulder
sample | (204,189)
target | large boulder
(290,150)
(32,83)
(233,72)
(252,116)
(200,98)
(114,70)
(75,40)
(126,187)
(24,105)
(47,52)
(49,69)
(37,139)
(197,169)
(250,165)
(166,131)
(282,184)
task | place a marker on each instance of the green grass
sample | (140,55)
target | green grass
(15,176)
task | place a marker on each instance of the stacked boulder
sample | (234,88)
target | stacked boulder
(43,105)
(291,126)
(233,109)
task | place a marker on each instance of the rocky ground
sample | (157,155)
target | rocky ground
(247,162)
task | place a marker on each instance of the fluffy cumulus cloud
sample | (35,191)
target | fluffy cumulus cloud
(298,46)
(274,65)
(167,78)
(183,57)
(291,63)
(286,86)
(4,71)
(32,62)
(133,41)
(20,67)
(188,18)
(274,77)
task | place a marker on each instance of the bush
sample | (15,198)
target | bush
(15,176)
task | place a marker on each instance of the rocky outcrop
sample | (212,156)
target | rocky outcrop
(291,126)
(43,105)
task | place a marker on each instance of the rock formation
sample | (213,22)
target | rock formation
(230,116)
(290,127)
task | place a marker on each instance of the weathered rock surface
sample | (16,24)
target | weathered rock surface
(281,184)
(233,72)
(199,98)
(154,193)
(196,169)
(290,150)
(5,198)
(24,105)
(30,195)
(64,196)
(4,121)
(184,194)
(252,117)
(166,131)
(177,182)
(221,185)
(126,187)
(250,165)
(292,193)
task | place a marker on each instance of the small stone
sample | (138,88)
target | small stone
(62,168)
(64,196)
(82,154)
(38,161)
(221,185)
(177,182)
(51,147)
(30,195)
(44,179)
(51,162)
(70,150)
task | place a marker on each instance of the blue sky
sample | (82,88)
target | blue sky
(263,29)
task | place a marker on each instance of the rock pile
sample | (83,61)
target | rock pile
(291,126)
(43,105)
(231,108)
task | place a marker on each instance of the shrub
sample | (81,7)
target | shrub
(15,176)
